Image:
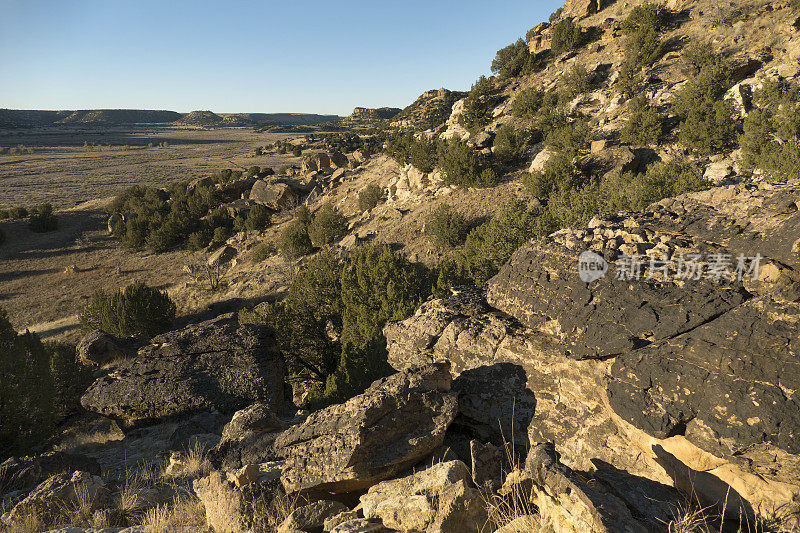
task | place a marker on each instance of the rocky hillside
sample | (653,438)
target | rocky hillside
(608,231)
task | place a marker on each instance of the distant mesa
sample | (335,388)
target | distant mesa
(200,118)
(21,118)
(119,116)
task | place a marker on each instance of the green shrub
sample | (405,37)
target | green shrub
(262,251)
(42,219)
(644,125)
(643,45)
(327,226)
(558,172)
(708,127)
(555,15)
(408,149)
(527,103)
(255,170)
(303,215)
(377,285)
(566,36)
(446,226)
(329,326)
(295,242)
(477,105)
(567,136)
(490,245)
(463,167)
(40,383)
(297,151)
(162,220)
(198,240)
(770,139)
(575,81)
(514,60)
(13,212)
(258,218)
(510,145)
(371,196)
(136,309)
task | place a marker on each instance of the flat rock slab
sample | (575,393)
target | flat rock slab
(732,381)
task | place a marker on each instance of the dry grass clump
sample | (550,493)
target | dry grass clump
(192,464)
(176,516)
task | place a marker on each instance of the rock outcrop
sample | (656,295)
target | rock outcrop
(214,365)
(394,424)
(637,379)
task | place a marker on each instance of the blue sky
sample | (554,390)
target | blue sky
(234,56)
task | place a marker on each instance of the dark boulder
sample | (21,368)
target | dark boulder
(214,365)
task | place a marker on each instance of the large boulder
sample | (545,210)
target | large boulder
(394,424)
(439,499)
(701,392)
(97,348)
(214,365)
(275,195)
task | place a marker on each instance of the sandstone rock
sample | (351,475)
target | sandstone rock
(481,139)
(257,418)
(568,504)
(217,364)
(521,524)
(488,462)
(97,348)
(540,286)
(439,499)
(583,8)
(360,156)
(361,525)
(700,392)
(312,517)
(717,172)
(537,165)
(58,491)
(228,509)
(222,255)
(340,518)
(275,195)
(395,423)
(319,161)
(338,174)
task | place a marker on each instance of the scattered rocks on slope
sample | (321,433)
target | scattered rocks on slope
(218,364)
(394,424)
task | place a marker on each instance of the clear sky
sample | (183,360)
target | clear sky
(235,56)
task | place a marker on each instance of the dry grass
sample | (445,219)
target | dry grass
(176,516)
(194,464)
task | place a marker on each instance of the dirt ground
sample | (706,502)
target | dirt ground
(62,171)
